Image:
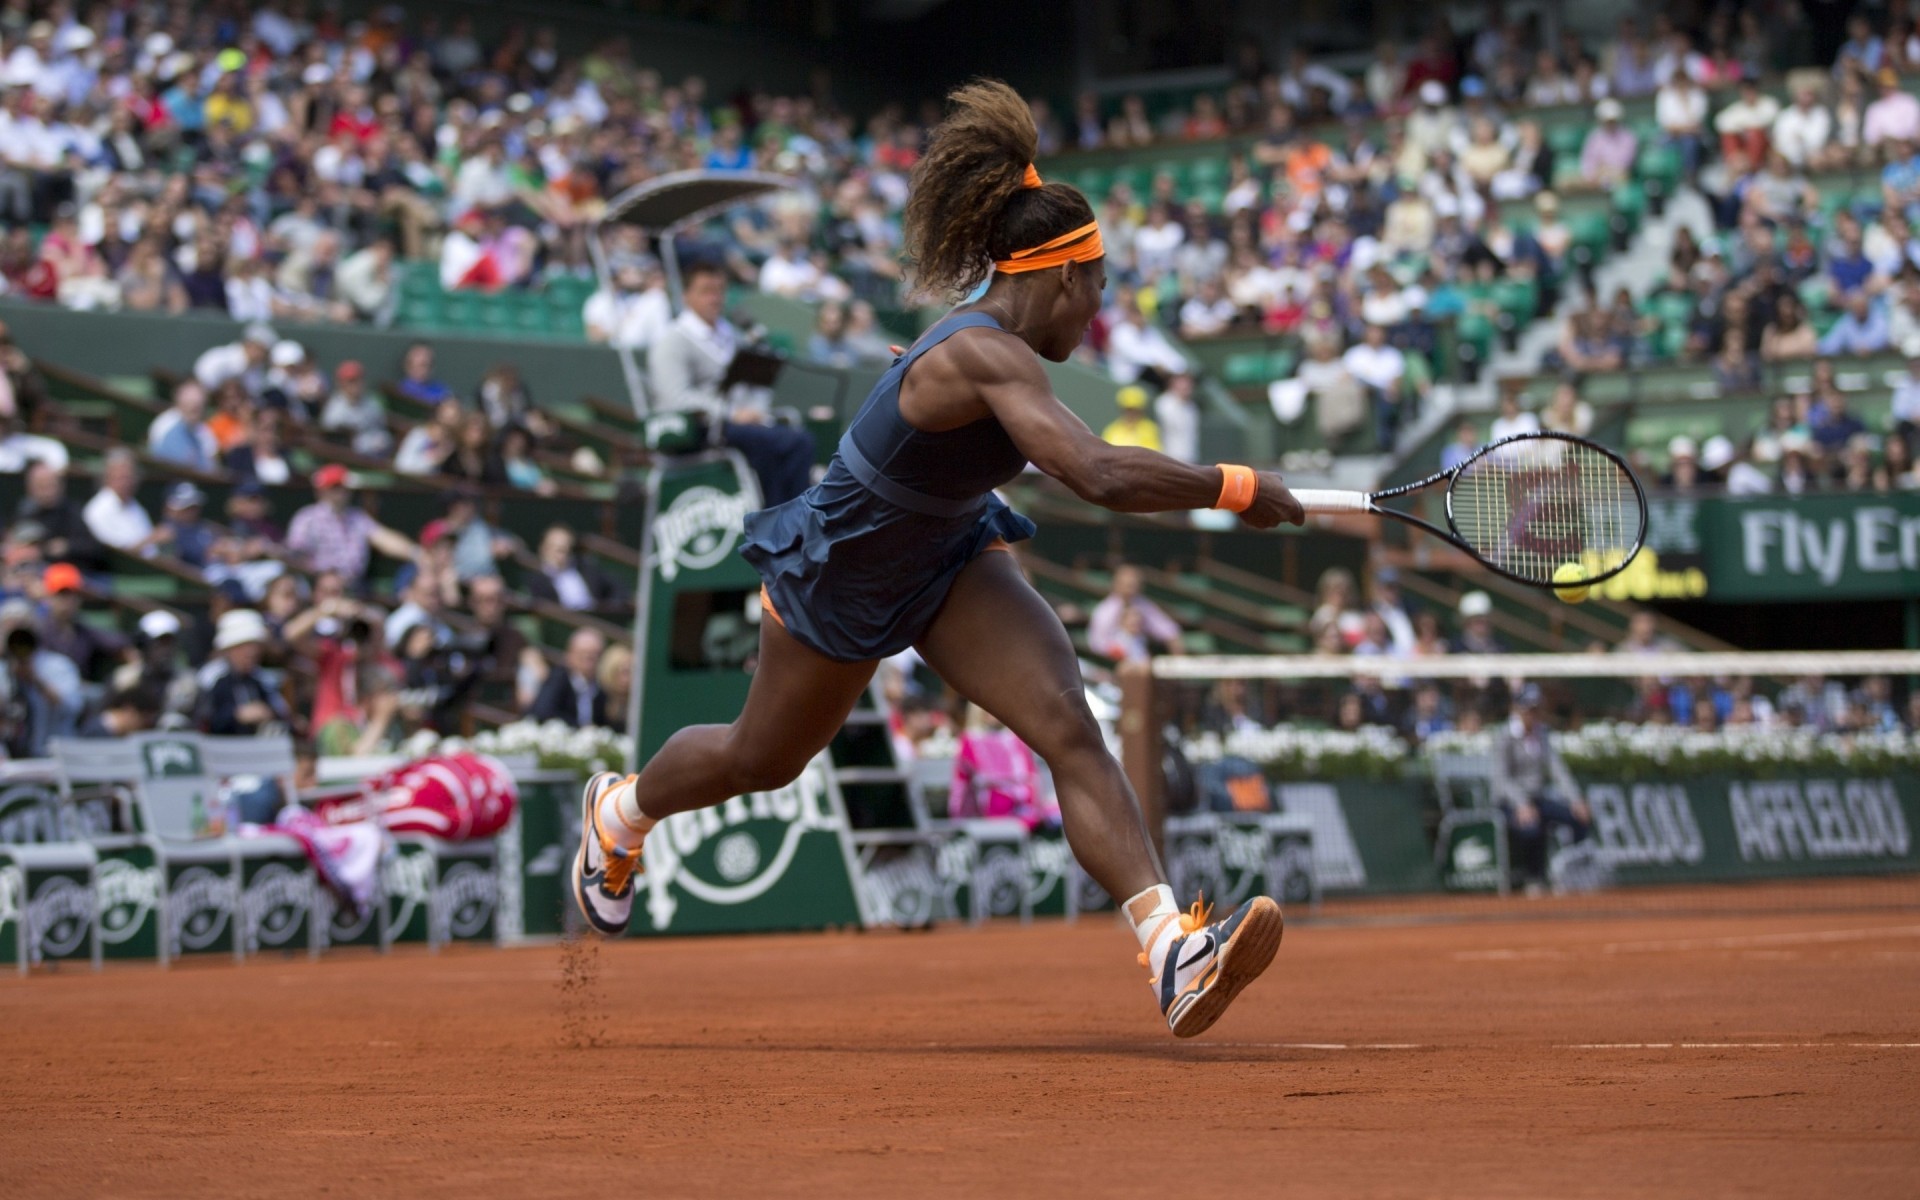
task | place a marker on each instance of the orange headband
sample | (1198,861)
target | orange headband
(1076,245)
(1031,179)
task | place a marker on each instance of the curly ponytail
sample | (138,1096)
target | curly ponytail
(966,204)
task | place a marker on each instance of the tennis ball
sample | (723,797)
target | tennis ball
(1569,573)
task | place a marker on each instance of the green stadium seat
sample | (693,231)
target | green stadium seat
(1566,141)
(493,313)
(564,317)
(421,311)
(1246,368)
(530,315)
(458,310)
(1658,167)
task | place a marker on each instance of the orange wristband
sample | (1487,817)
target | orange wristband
(1238,487)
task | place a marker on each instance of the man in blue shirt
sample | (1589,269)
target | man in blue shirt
(180,435)
(416,376)
(1848,264)
(1861,329)
(1836,426)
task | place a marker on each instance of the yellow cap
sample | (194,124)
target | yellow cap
(1132,397)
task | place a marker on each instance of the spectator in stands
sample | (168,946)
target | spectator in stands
(365,280)
(475,458)
(248,522)
(159,671)
(1607,156)
(1178,413)
(421,604)
(188,538)
(1733,370)
(1567,412)
(41,697)
(260,457)
(1139,351)
(1746,125)
(1133,427)
(514,663)
(566,579)
(828,344)
(863,333)
(615,677)
(58,525)
(1833,425)
(1643,636)
(1338,611)
(1861,329)
(687,371)
(1465,443)
(1894,116)
(417,381)
(1683,466)
(1391,609)
(632,312)
(1680,112)
(1513,419)
(476,545)
(1382,370)
(245,360)
(180,434)
(1534,788)
(1803,132)
(93,650)
(19,449)
(1476,626)
(115,516)
(1208,312)
(572,693)
(237,700)
(355,411)
(1789,337)
(429,446)
(1106,632)
(331,534)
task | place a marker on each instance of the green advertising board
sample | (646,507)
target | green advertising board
(1856,546)
(772,860)
(47,908)
(775,860)
(1368,835)
(1719,828)
(128,883)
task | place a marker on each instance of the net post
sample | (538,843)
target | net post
(1140,748)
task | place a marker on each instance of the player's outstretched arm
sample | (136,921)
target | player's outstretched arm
(1121,478)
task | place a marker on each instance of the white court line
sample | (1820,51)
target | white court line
(1764,939)
(1319,1045)
(1741,1046)
(1815,937)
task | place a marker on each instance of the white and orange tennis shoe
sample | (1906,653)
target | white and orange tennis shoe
(602,870)
(1208,964)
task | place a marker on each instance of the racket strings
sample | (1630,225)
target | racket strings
(1531,505)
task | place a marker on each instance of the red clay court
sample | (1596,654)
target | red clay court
(1742,1053)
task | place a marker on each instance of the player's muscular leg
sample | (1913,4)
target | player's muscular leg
(998,644)
(797,702)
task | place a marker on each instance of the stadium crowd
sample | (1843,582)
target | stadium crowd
(334,626)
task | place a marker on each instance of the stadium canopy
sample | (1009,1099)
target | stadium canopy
(664,208)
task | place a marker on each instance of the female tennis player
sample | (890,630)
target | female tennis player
(899,545)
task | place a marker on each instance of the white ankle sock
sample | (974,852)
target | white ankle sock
(621,818)
(1156,922)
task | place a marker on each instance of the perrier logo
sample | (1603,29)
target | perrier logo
(734,852)
(169,758)
(698,530)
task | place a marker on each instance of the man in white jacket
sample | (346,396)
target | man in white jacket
(685,370)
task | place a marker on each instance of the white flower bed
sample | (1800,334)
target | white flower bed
(555,744)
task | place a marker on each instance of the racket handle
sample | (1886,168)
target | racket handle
(1324,500)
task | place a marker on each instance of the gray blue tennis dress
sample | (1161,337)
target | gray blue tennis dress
(857,566)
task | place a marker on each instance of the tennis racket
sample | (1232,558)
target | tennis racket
(1524,506)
